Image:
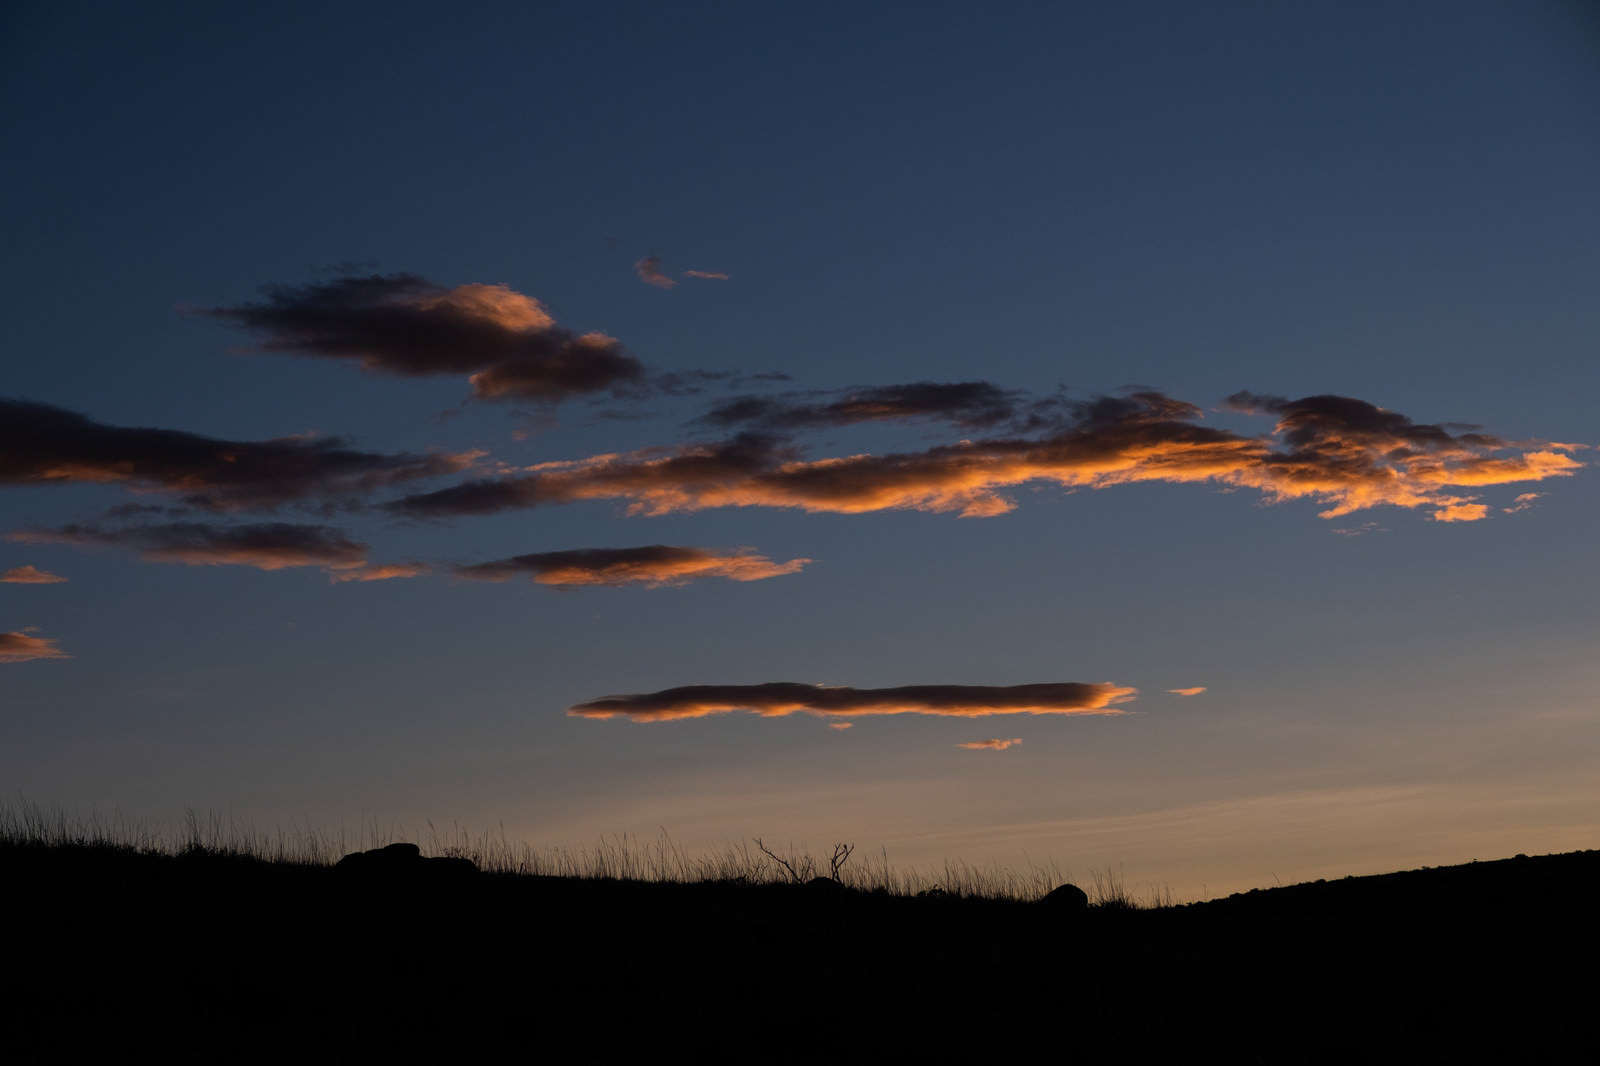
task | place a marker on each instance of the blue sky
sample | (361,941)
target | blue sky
(1387,203)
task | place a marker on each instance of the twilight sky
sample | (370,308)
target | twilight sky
(1156,436)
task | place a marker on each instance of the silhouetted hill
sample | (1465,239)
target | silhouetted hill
(227,958)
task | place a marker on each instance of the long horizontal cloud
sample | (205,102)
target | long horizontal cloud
(992,744)
(1344,453)
(264,545)
(968,404)
(45,445)
(406,325)
(29,575)
(779,698)
(16,647)
(653,565)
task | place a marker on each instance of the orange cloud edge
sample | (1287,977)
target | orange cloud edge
(779,699)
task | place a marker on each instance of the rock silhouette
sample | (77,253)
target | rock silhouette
(403,860)
(1066,898)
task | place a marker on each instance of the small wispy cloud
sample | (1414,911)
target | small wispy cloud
(263,545)
(371,572)
(966,404)
(1187,691)
(18,647)
(30,575)
(992,744)
(1461,512)
(652,565)
(649,271)
(1523,502)
(710,275)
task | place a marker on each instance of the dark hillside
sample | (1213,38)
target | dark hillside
(207,952)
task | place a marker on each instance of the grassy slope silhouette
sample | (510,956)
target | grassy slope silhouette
(246,955)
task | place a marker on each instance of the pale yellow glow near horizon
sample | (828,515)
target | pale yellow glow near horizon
(1184,853)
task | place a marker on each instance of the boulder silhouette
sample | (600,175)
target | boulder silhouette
(403,860)
(1067,898)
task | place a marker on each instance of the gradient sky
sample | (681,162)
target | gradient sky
(475,415)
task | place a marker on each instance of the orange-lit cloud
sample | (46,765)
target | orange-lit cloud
(1523,502)
(1461,512)
(406,325)
(841,725)
(30,575)
(711,275)
(649,271)
(779,698)
(44,445)
(653,565)
(265,546)
(19,647)
(370,572)
(1359,531)
(1187,691)
(1345,454)
(992,744)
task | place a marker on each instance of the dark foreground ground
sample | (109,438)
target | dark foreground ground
(116,955)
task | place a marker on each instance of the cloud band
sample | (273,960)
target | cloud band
(779,698)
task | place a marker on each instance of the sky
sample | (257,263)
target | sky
(1151,437)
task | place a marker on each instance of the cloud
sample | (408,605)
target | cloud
(654,565)
(710,275)
(992,744)
(1345,454)
(1461,512)
(643,475)
(779,698)
(44,445)
(1523,502)
(649,271)
(369,572)
(841,725)
(404,325)
(265,546)
(18,647)
(1357,455)
(29,575)
(968,404)
(1359,531)
(1187,691)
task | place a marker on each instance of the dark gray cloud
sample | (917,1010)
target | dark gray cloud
(43,445)
(636,474)
(779,698)
(1341,422)
(965,404)
(651,565)
(405,325)
(263,545)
